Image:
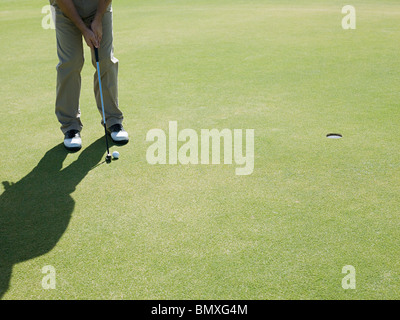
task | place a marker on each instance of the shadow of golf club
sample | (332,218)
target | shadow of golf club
(35,211)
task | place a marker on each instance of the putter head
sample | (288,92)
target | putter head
(108,158)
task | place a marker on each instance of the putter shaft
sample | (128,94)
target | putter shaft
(96,52)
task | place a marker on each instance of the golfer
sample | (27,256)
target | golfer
(92,21)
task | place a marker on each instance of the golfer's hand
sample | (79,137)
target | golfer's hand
(91,39)
(97,29)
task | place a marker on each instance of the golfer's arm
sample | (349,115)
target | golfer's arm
(101,8)
(68,8)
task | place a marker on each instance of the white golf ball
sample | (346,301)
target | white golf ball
(115,154)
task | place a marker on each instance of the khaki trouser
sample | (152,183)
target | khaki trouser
(71,59)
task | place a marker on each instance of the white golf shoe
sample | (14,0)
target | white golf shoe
(118,134)
(72,140)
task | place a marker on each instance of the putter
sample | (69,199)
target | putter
(96,53)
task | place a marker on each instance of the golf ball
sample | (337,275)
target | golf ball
(115,154)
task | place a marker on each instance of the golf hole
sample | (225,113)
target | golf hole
(334,136)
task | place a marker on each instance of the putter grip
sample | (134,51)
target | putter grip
(96,53)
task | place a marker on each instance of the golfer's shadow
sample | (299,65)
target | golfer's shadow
(35,211)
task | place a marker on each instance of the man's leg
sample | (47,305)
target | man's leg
(70,55)
(109,74)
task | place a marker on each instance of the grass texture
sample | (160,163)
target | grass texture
(131,230)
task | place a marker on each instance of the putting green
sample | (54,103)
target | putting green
(131,230)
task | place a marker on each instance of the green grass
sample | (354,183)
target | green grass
(130,230)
